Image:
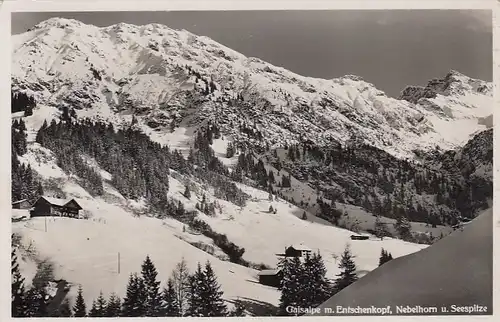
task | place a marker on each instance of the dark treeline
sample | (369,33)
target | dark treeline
(305,283)
(139,167)
(22,102)
(196,294)
(25,184)
(387,186)
(234,252)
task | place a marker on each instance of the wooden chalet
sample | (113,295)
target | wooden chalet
(47,206)
(21,204)
(270,277)
(298,250)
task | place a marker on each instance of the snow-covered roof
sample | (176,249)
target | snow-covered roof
(301,247)
(56,201)
(19,201)
(268,272)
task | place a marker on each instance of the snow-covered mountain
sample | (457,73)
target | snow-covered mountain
(341,141)
(171,78)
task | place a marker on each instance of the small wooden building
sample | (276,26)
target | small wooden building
(297,250)
(359,237)
(47,206)
(21,204)
(270,277)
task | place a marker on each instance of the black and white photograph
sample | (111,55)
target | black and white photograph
(251,163)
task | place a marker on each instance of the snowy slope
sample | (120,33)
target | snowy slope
(160,74)
(457,270)
(86,251)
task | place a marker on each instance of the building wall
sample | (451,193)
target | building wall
(270,280)
(22,205)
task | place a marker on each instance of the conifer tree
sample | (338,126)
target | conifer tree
(347,275)
(80,309)
(380,228)
(113,306)
(151,288)
(291,284)
(187,192)
(170,305)
(213,304)
(19,303)
(134,303)
(195,300)
(304,216)
(98,307)
(239,309)
(271,209)
(37,302)
(403,227)
(318,287)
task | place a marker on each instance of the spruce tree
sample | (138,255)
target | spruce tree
(347,275)
(212,302)
(170,305)
(195,300)
(304,216)
(151,288)
(134,303)
(320,286)
(380,228)
(98,307)
(403,227)
(19,304)
(113,306)
(187,192)
(291,284)
(80,309)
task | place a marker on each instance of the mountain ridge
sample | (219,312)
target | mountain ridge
(155,71)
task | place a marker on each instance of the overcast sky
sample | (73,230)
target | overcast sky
(390,48)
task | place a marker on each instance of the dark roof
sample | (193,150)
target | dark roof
(300,247)
(457,269)
(268,272)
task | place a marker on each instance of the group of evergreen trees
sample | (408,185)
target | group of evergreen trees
(234,252)
(25,184)
(139,166)
(22,102)
(387,186)
(305,282)
(185,294)
(385,256)
(31,302)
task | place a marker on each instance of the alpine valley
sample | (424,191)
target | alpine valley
(178,147)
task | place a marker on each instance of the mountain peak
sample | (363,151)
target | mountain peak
(58,22)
